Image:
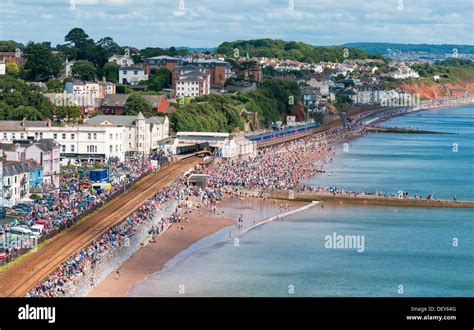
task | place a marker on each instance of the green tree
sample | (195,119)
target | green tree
(55,85)
(27,112)
(84,70)
(136,103)
(69,112)
(161,79)
(41,63)
(111,72)
(12,69)
(18,93)
(7,45)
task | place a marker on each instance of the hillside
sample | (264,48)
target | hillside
(383,47)
(290,50)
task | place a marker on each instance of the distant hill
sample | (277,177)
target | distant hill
(197,49)
(290,50)
(382,48)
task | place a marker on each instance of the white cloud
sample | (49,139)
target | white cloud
(209,22)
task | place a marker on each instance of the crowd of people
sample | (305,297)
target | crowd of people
(283,166)
(66,205)
(75,266)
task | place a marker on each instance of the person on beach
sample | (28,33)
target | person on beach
(117,274)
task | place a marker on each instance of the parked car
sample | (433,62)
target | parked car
(37,230)
(23,206)
(21,231)
(3,213)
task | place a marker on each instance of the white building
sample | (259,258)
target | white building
(15,182)
(122,60)
(131,75)
(192,86)
(403,71)
(98,138)
(2,68)
(227,145)
(192,81)
(140,134)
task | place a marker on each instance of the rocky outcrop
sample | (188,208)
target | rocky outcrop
(438,90)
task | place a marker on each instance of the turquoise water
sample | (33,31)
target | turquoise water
(416,163)
(406,251)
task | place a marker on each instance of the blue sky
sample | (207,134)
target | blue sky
(207,23)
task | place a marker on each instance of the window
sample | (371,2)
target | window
(22,136)
(55,136)
(111,136)
(73,136)
(135,72)
(116,148)
(13,136)
(4,136)
(129,136)
(89,136)
(64,136)
(111,148)
(116,136)
(72,148)
(41,135)
(63,147)
(87,148)
(124,71)
(95,136)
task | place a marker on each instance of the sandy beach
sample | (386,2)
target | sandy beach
(200,223)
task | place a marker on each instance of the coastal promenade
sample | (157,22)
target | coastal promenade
(362,199)
(20,277)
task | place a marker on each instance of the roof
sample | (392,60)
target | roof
(134,67)
(122,120)
(8,146)
(156,120)
(118,100)
(191,78)
(163,57)
(204,134)
(17,125)
(47,144)
(11,168)
(31,164)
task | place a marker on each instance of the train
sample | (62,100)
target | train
(189,149)
(281,133)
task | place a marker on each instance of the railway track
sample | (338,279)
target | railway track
(20,278)
(325,127)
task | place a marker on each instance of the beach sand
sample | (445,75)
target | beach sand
(202,223)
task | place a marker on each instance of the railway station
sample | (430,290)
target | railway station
(223,145)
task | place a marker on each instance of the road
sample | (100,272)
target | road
(20,278)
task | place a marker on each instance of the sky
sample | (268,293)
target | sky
(208,23)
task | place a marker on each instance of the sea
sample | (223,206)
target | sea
(354,251)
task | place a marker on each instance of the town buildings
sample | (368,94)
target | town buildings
(13,57)
(115,104)
(158,62)
(122,60)
(191,81)
(131,75)
(98,138)
(46,152)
